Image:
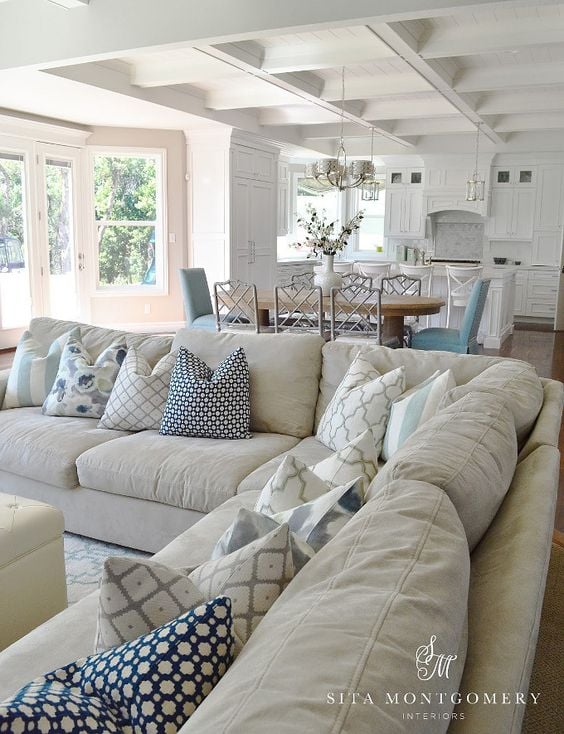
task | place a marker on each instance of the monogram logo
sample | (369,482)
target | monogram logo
(430,664)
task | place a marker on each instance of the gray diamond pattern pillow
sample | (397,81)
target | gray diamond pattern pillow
(139,395)
(137,596)
(362,401)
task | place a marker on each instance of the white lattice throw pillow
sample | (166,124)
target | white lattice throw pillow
(293,484)
(358,458)
(361,402)
(208,403)
(139,395)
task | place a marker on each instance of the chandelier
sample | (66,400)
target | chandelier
(339,172)
(475,185)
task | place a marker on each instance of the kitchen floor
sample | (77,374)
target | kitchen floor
(543,349)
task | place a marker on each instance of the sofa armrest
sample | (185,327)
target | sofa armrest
(547,426)
(4,374)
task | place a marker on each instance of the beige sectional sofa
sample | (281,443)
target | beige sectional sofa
(336,652)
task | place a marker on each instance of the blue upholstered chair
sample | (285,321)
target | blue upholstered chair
(197,300)
(463,340)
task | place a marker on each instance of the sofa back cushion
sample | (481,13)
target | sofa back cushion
(419,365)
(351,622)
(470,451)
(97,338)
(516,382)
(284,368)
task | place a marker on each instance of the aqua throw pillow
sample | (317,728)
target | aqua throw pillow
(83,387)
(151,684)
(34,370)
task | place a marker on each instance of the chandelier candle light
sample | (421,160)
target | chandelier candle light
(321,240)
(339,172)
(475,185)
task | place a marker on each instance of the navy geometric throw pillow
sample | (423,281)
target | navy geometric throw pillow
(150,685)
(208,403)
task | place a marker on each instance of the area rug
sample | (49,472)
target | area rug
(548,715)
(84,559)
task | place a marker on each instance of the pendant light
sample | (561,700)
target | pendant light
(475,186)
(371,187)
(338,172)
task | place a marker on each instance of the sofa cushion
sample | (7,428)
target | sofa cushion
(516,382)
(194,473)
(470,451)
(284,368)
(337,357)
(351,621)
(46,448)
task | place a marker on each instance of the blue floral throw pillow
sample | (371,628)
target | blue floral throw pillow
(150,685)
(208,403)
(82,389)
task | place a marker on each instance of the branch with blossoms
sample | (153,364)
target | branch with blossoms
(320,233)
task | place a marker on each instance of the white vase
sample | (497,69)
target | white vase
(326,277)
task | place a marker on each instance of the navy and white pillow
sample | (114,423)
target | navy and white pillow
(151,684)
(208,403)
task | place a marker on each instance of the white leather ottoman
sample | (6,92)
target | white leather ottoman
(32,566)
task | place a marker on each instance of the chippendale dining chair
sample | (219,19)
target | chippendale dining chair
(298,309)
(463,340)
(236,306)
(356,315)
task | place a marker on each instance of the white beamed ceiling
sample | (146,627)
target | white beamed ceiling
(415,76)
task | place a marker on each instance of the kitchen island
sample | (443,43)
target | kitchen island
(497,321)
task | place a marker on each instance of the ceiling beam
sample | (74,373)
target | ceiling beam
(241,95)
(304,87)
(375,85)
(108,29)
(439,76)
(531,121)
(412,105)
(471,39)
(323,54)
(519,100)
(502,77)
(155,73)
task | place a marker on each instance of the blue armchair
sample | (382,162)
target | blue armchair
(197,300)
(463,340)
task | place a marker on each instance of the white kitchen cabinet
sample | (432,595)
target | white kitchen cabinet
(404,203)
(253,163)
(536,293)
(520,176)
(520,305)
(547,247)
(253,238)
(512,213)
(550,200)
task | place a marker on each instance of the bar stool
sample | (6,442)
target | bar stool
(425,275)
(376,271)
(460,282)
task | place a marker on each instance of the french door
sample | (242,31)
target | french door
(59,289)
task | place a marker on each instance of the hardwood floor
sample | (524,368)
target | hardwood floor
(543,349)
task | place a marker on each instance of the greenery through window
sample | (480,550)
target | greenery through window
(128,193)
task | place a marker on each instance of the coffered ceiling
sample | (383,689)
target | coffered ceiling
(421,79)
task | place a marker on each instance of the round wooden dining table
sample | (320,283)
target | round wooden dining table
(394,310)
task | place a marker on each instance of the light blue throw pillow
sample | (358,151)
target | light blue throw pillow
(34,370)
(82,387)
(413,408)
(153,683)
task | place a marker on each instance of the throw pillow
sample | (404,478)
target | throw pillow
(208,403)
(151,684)
(318,521)
(413,408)
(82,388)
(137,596)
(292,484)
(362,401)
(34,370)
(358,458)
(249,526)
(139,395)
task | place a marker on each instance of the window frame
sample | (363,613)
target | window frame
(161,287)
(355,204)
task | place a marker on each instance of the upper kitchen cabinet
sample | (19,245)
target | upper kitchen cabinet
(513,198)
(254,163)
(549,216)
(404,203)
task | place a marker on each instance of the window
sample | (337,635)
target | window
(129,222)
(15,300)
(307,191)
(371,232)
